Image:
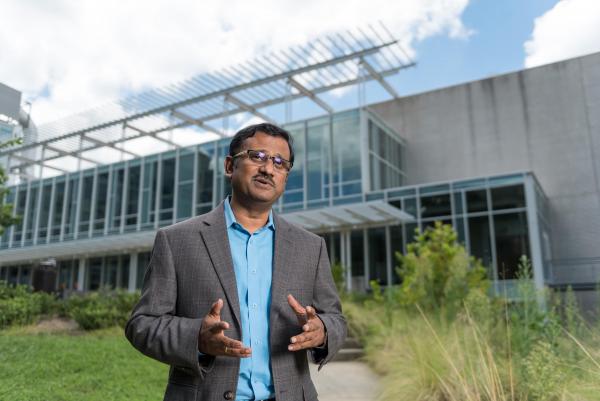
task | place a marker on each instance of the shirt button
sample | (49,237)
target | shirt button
(254,306)
(254,271)
(228,395)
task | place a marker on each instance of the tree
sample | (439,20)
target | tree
(6,209)
(437,272)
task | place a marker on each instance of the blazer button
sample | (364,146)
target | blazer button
(228,395)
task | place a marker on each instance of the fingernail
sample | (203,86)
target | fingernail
(290,348)
(305,327)
(293,339)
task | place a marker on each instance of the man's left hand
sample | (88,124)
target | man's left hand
(313,330)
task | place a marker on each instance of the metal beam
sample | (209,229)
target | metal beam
(153,135)
(31,162)
(66,153)
(377,76)
(245,106)
(310,95)
(101,144)
(193,121)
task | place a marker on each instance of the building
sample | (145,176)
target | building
(15,123)
(510,161)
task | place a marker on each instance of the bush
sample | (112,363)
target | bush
(101,309)
(437,272)
(20,306)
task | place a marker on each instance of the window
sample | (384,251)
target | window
(149,192)
(377,256)
(101,192)
(21,202)
(512,242)
(94,276)
(186,183)
(57,209)
(116,198)
(31,212)
(385,158)
(44,212)
(294,188)
(167,191)
(71,207)
(346,154)
(86,204)
(133,191)
(479,236)
(318,161)
(477,201)
(357,250)
(204,188)
(511,197)
(435,205)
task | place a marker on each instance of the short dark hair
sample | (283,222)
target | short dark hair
(270,129)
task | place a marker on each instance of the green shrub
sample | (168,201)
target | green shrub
(101,309)
(437,272)
(20,306)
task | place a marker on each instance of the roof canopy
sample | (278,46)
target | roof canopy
(320,66)
(351,216)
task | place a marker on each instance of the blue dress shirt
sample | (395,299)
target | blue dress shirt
(253,265)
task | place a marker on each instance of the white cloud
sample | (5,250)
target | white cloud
(68,56)
(571,28)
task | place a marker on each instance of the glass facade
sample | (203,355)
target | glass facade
(345,158)
(490,216)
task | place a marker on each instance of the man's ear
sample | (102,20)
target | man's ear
(228,165)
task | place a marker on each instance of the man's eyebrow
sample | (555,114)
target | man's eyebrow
(270,154)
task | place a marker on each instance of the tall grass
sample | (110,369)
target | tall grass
(424,356)
(474,346)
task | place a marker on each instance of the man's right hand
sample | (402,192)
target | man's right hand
(212,341)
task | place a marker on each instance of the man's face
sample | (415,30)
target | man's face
(259,182)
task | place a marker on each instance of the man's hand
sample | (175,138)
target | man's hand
(313,330)
(211,339)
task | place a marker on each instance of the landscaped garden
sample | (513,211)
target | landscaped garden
(440,335)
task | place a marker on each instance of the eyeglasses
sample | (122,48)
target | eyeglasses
(261,157)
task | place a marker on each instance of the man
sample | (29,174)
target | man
(235,298)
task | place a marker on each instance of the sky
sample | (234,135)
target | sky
(67,56)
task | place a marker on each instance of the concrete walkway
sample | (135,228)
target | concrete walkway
(341,381)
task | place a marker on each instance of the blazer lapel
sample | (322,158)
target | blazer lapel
(214,234)
(281,263)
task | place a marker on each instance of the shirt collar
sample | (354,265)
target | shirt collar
(230,219)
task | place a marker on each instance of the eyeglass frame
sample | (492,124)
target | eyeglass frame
(247,152)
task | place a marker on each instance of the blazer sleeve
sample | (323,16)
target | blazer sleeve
(326,302)
(153,328)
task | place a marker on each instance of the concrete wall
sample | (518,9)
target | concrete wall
(544,119)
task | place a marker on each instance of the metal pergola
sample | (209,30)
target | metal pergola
(307,71)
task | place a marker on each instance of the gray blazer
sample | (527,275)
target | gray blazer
(191,267)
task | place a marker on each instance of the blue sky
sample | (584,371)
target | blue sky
(500,28)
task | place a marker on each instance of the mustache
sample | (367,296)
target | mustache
(266,178)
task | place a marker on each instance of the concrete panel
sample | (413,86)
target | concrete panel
(10,101)
(545,119)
